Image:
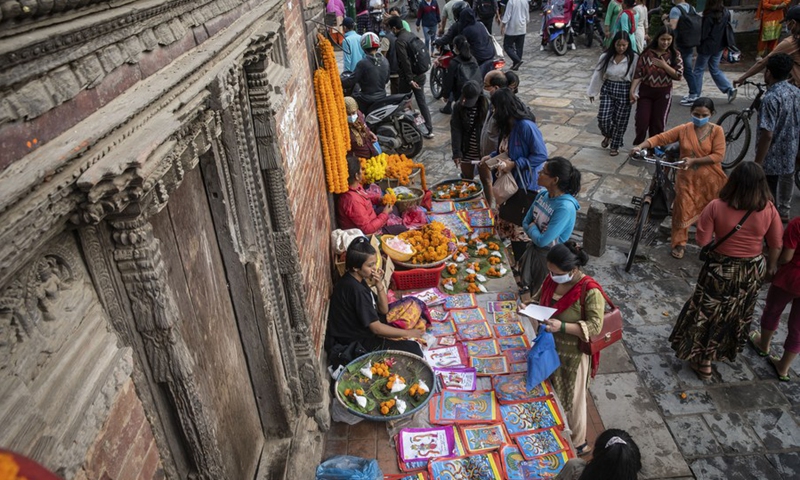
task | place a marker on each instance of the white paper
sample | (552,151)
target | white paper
(361,401)
(367,371)
(400,405)
(398,387)
(423,387)
(538,312)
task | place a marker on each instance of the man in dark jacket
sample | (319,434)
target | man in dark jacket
(371,74)
(487,12)
(463,68)
(712,42)
(469,114)
(479,39)
(407,81)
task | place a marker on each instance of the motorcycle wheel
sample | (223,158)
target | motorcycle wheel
(410,150)
(560,44)
(589,37)
(436,80)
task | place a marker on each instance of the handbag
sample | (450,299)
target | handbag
(504,187)
(610,333)
(542,358)
(714,244)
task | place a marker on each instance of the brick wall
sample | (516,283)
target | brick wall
(125,447)
(298,133)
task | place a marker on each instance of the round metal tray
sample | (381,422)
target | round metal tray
(407,364)
(452,181)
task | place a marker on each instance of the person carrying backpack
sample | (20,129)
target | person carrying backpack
(687,24)
(462,69)
(469,113)
(626,22)
(486,11)
(428,16)
(709,53)
(413,60)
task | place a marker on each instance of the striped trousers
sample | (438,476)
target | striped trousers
(615,110)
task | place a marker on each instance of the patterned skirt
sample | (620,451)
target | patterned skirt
(714,323)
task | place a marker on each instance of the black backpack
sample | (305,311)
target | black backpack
(485,8)
(689,29)
(419,56)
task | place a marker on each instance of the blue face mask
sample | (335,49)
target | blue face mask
(699,122)
(352,118)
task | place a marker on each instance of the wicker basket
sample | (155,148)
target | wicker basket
(403,205)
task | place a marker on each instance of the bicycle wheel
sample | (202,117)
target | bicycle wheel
(644,214)
(737,137)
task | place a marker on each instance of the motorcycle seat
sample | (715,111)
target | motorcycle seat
(389,100)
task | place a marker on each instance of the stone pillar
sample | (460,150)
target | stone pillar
(595,232)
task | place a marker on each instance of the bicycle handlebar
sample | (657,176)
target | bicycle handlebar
(652,159)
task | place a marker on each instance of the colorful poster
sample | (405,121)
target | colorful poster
(431,296)
(487,366)
(479,406)
(484,438)
(502,306)
(438,314)
(519,367)
(425,443)
(511,459)
(474,467)
(506,296)
(445,357)
(463,379)
(536,444)
(442,329)
(480,203)
(513,388)
(508,329)
(473,331)
(508,343)
(546,466)
(517,355)
(527,417)
(482,348)
(442,207)
(460,301)
(468,315)
(410,476)
(505,317)
(481,218)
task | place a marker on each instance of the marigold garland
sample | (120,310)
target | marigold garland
(332,117)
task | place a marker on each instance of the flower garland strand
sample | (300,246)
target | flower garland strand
(332,118)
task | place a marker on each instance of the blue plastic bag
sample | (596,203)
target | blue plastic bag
(542,358)
(346,467)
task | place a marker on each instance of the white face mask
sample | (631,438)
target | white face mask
(561,278)
(352,118)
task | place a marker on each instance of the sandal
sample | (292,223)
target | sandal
(584,449)
(614,152)
(678,251)
(781,378)
(605,143)
(703,372)
(751,339)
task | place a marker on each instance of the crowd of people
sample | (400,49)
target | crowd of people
(494,133)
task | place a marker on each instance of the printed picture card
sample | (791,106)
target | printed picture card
(473,331)
(479,467)
(425,443)
(442,329)
(546,466)
(438,314)
(479,406)
(482,348)
(487,366)
(513,388)
(524,417)
(445,357)
(463,379)
(484,438)
(508,329)
(460,301)
(502,306)
(536,444)
(505,317)
(509,343)
(516,355)
(468,315)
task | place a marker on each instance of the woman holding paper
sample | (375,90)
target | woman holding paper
(580,306)
(357,315)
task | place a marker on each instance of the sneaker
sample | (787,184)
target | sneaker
(541,48)
(732,94)
(688,101)
(516,66)
(429,135)
(572,46)
(447,110)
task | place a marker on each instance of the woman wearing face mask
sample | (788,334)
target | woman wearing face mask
(702,147)
(563,290)
(362,140)
(355,209)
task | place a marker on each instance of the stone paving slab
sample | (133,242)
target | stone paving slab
(623,402)
(733,432)
(735,468)
(775,427)
(693,436)
(788,464)
(741,396)
(695,401)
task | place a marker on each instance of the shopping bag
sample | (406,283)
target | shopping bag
(542,358)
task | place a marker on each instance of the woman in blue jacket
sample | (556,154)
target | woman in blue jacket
(525,153)
(550,219)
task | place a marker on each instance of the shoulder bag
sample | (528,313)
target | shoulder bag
(610,333)
(714,244)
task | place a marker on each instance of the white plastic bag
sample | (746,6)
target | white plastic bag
(341,239)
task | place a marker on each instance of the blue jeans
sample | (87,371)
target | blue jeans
(430,35)
(688,68)
(712,61)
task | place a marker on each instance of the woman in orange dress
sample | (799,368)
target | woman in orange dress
(702,149)
(770,14)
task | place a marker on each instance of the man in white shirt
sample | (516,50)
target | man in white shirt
(513,28)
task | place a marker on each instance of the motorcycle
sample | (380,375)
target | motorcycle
(556,31)
(442,62)
(392,118)
(589,20)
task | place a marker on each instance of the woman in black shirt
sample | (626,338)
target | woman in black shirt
(356,314)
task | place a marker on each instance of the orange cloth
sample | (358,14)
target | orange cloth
(694,189)
(719,218)
(770,19)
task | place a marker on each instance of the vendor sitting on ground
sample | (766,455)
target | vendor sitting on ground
(355,208)
(356,314)
(362,139)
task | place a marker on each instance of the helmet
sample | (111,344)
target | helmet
(457,8)
(370,41)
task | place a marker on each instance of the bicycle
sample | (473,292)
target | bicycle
(736,125)
(656,200)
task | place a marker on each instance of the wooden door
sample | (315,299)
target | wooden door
(196,275)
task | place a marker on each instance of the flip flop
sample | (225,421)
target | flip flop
(584,449)
(751,339)
(605,143)
(781,378)
(678,251)
(614,153)
(698,370)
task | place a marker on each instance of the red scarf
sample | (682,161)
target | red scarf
(566,301)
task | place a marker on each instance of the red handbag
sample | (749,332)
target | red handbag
(612,326)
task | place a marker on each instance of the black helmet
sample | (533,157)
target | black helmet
(458,7)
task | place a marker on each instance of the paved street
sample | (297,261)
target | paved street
(741,424)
